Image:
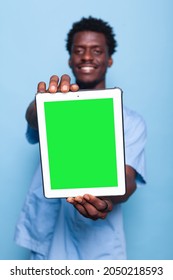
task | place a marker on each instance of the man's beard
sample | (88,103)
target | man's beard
(87,85)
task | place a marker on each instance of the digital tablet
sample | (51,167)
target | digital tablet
(81,143)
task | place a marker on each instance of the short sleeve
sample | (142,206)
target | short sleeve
(135,139)
(32,135)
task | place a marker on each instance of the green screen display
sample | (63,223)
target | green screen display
(81,143)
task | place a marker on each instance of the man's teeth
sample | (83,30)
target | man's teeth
(87,68)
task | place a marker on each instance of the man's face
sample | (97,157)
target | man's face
(89,59)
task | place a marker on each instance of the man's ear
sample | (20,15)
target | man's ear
(110,61)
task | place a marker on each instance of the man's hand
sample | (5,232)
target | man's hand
(92,207)
(57,84)
(98,207)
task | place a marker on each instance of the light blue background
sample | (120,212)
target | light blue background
(33,48)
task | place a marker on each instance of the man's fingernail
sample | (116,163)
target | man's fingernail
(65,88)
(53,88)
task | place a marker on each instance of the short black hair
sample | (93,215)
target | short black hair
(96,25)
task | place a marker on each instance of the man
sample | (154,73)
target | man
(85,227)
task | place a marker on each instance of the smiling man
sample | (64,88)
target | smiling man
(85,227)
(89,59)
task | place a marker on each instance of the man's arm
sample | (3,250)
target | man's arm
(31,115)
(130,186)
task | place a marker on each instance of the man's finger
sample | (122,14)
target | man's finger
(53,84)
(95,201)
(90,208)
(101,204)
(78,206)
(64,85)
(81,210)
(41,87)
(74,87)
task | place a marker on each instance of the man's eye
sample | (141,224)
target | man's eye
(78,51)
(97,51)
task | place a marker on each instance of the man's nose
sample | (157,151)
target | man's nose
(87,55)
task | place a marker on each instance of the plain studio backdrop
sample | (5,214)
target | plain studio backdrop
(33,37)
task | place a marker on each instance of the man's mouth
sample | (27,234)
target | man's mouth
(87,68)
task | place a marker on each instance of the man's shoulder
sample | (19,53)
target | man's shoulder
(133,119)
(131,115)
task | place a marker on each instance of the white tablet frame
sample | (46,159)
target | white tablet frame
(116,95)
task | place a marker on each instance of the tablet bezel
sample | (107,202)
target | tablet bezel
(116,95)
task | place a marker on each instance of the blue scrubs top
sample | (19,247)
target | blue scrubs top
(54,229)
